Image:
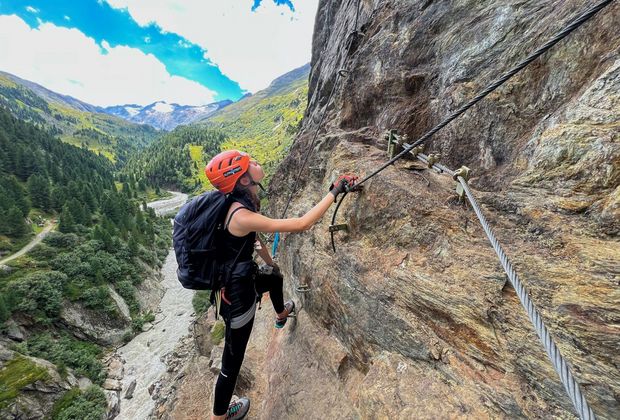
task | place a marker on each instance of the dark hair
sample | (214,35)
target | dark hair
(242,194)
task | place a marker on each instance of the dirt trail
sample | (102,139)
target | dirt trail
(37,239)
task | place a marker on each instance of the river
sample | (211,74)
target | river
(143,354)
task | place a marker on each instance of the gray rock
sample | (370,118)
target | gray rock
(215,361)
(546,143)
(93,325)
(116,369)
(120,304)
(84,383)
(216,366)
(13,331)
(112,385)
(113,408)
(130,390)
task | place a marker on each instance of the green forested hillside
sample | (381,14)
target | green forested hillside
(264,124)
(102,241)
(74,122)
(176,160)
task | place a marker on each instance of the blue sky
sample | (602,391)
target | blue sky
(186,51)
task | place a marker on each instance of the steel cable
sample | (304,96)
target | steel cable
(557,38)
(559,364)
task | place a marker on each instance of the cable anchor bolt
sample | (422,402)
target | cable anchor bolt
(336,228)
(417,150)
(433,158)
(465,173)
(343,72)
(303,288)
(354,188)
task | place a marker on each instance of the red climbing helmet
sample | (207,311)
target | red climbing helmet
(226,168)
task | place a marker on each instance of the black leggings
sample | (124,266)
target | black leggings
(237,341)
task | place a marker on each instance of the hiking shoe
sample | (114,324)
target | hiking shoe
(289,308)
(239,409)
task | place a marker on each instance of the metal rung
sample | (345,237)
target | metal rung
(336,228)
(303,288)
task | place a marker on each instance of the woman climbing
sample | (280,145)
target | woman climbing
(237,174)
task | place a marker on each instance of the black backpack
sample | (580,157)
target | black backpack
(197,232)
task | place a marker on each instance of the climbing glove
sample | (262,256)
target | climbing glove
(342,184)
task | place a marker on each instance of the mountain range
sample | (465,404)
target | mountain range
(163,115)
(262,123)
(73,121)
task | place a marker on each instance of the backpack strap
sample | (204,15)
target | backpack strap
(232,214)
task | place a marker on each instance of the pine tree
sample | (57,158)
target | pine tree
(79,212)
(133,246)
(57,198)
(67,223)
(126,190)
(39,191)
(17,226)
(111,209)
(99,278)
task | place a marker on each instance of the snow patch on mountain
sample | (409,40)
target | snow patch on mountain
(163,107)
(132,111)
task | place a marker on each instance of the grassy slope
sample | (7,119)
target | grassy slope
(264,124)
(98,132)
(198,164)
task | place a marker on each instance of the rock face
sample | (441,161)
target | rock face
(36,399)
(93,325)
(412,317)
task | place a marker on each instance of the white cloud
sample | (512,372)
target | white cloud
(32,9)
(252,48)
(66,61)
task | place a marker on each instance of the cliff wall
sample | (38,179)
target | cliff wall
(412,317)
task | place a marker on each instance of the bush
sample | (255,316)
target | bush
(127,337)
(66,351)
(126,290)
(4,310)
(75,405)
(137,324)
(201,301)
(40,294)
(5,244)
(62,240)
(149,317)
(43,252)
(98,298)
(64,402)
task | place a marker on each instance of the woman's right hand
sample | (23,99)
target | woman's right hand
(342,184)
